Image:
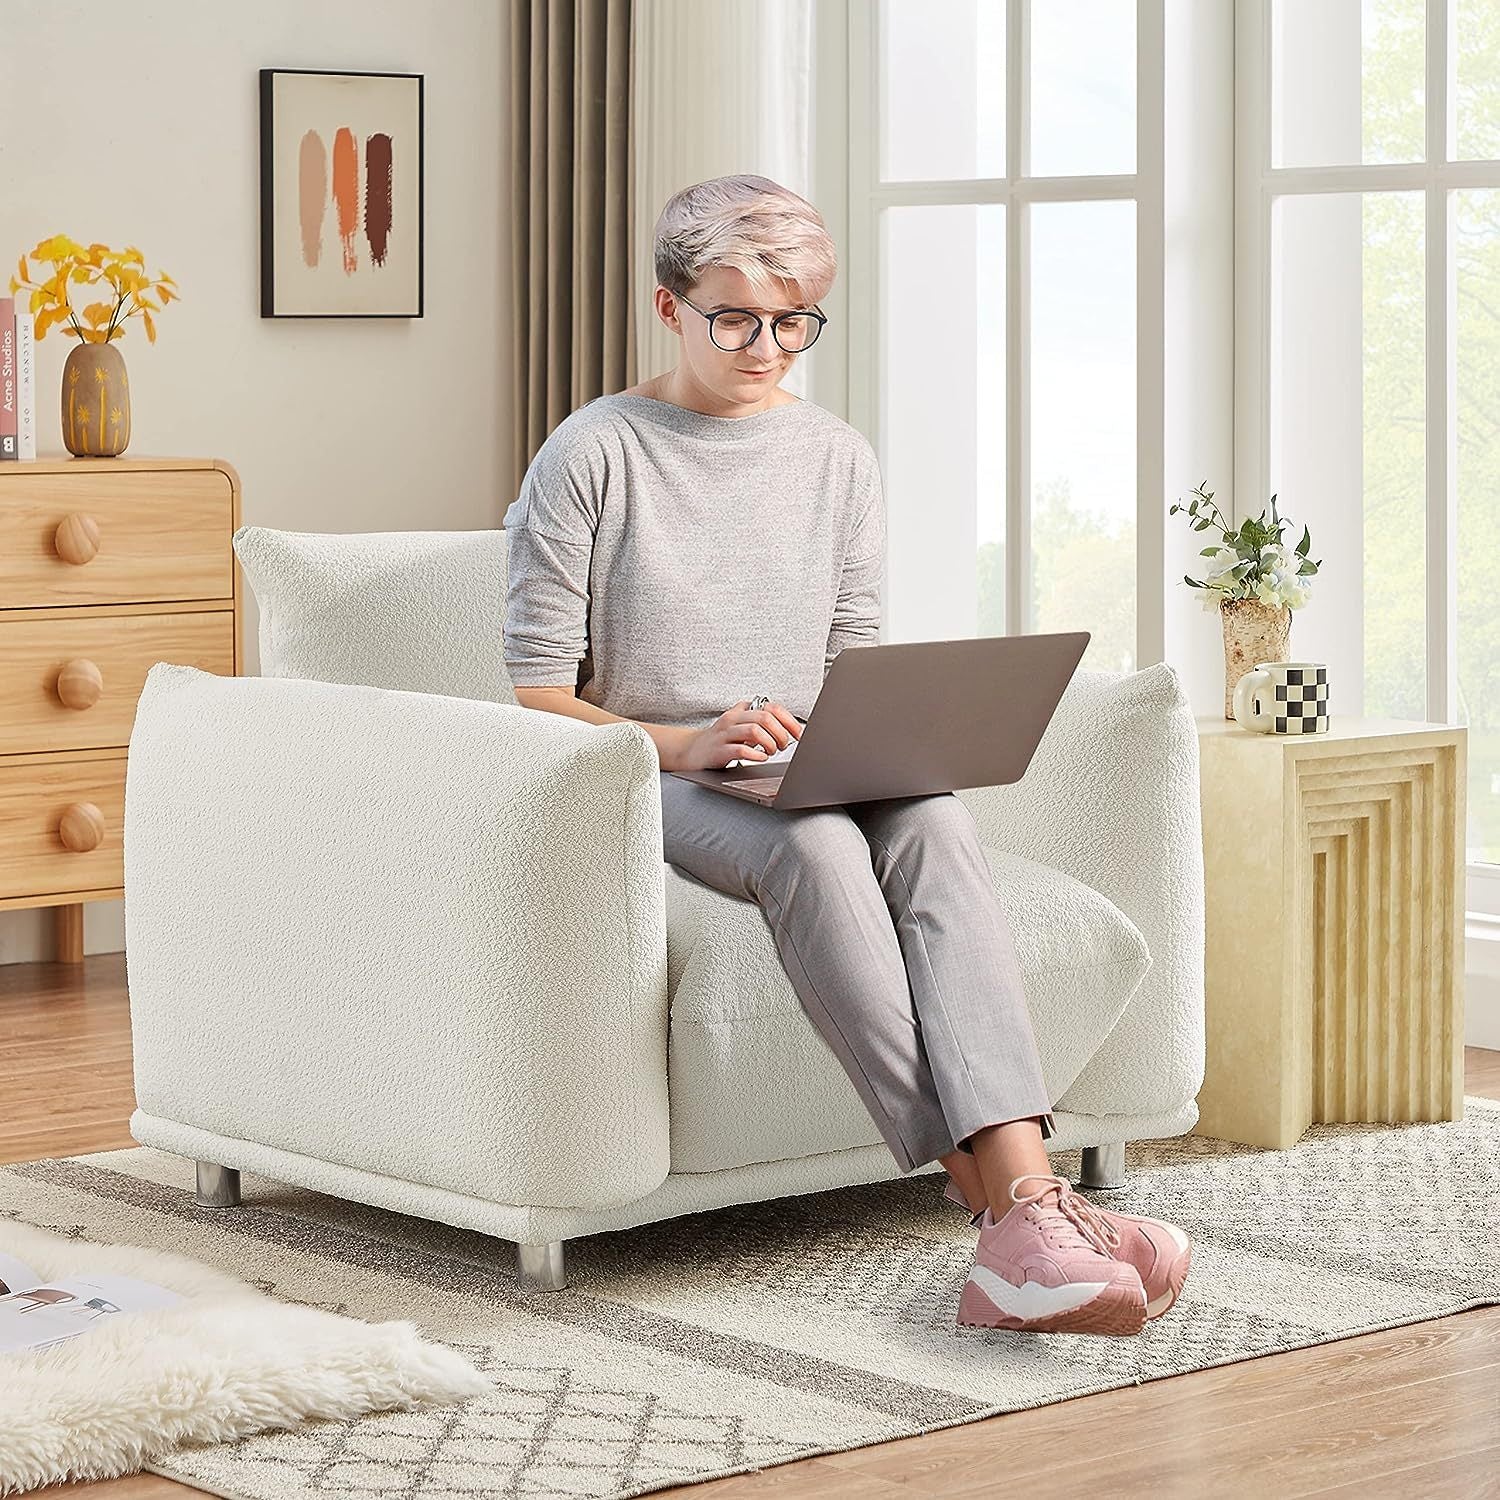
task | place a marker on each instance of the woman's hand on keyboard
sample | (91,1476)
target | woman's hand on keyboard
(740,734)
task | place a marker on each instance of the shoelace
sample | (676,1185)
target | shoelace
(1072,1216)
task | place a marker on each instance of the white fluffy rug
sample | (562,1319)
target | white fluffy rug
(227,1363)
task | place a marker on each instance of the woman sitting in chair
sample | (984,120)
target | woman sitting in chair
(706,532)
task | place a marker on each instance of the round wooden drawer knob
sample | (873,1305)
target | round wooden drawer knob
(79,683)
(81,827)
(77,538)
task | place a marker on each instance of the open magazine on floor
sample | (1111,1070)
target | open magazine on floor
(38,1311)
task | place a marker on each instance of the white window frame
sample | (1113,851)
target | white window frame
(1018,191)
(1257,184)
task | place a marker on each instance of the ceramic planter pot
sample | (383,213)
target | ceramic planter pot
(1253,632)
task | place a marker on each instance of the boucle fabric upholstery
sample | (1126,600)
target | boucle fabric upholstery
(1111,798)
(421,936)
(419,610)
(393,937)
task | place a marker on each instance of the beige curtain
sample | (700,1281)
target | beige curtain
(615,105)
(571,219)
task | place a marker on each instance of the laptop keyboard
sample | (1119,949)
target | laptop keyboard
(762,786)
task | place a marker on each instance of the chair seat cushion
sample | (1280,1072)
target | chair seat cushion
(751,1078)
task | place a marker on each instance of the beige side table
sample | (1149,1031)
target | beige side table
(1334,884)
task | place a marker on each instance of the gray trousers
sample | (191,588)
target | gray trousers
(900,952)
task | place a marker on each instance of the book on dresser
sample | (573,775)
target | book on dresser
(10,420)
(17,382)
(107,566)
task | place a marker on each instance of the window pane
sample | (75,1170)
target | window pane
(1476,41)
(1083,458)
(942,81)
(1082,87)
(1347,82)
(1348,438)
(942,417)
(1476,245)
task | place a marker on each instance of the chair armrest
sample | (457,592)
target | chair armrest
(418,935)
(1111,797)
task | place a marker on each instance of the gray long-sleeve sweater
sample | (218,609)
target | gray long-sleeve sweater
(670,563)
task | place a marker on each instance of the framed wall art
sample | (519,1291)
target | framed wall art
(340,194)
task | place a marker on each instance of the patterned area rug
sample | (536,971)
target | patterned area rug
(749,1336)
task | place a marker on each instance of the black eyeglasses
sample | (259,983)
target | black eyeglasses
(795,332)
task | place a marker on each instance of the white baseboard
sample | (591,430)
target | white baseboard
(1482,981)
(26,931)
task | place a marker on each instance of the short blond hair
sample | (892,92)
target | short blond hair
(751,224)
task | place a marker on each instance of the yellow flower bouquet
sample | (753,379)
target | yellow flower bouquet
(95,392)
(71,263)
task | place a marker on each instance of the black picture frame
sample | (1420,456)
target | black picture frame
(268,223)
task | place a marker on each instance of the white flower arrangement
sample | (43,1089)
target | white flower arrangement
(1253,562)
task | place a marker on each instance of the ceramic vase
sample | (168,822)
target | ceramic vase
(95,402)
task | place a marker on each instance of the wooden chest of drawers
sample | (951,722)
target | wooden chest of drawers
(107,566)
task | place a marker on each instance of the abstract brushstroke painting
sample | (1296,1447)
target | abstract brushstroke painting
(341,193)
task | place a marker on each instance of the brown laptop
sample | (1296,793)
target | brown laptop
(915,717)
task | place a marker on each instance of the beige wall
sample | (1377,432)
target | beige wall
(140,127)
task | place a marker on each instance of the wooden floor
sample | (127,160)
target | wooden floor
(1413,1411)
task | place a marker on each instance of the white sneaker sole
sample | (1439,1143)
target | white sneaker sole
(1109,1307)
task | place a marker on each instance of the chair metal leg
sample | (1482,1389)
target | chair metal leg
(1103,1166)
(218,1187)
(540,1267)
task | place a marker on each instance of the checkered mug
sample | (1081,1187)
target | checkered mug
(1283,697)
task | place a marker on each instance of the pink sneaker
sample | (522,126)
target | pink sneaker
(1161,1252)
(1045,1267)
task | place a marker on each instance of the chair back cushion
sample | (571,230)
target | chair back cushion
(420,611)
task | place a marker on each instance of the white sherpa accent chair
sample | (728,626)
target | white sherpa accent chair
(392,937)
